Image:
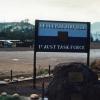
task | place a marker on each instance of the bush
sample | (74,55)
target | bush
(95,65)
(42,72)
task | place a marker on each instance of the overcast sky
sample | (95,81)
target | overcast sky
(69,10)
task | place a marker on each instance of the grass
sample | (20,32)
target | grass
(42,72)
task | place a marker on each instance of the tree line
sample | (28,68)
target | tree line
(18,35)
(26,31)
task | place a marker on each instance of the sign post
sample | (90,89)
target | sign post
(34,64)
(88,45)
(62,36)
(34,71)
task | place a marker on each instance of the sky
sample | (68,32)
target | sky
(64,10)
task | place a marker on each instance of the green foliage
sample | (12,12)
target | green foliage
(16,36)
(9,97)
(17,31)
(6,98)
(42,72)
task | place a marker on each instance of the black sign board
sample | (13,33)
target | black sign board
(62,36)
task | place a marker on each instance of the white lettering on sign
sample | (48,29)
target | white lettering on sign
(63,26)
(61,47)
(49,47)
(77,47)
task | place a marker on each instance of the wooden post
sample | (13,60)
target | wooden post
(88,58)
(88,45)
(43,92)
(11,74)
(49,70)
(34,70)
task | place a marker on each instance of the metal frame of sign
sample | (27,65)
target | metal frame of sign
(36,41)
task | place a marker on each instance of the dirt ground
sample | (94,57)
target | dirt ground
(21,62)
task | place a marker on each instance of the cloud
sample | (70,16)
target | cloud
(79,10)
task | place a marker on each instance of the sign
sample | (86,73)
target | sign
(62,36)
(75,77)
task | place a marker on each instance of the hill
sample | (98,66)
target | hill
(16,30)
(95,31)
